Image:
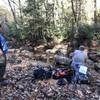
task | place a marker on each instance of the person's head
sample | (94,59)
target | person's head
(82,48)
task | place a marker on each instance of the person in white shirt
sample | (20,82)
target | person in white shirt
(79,57)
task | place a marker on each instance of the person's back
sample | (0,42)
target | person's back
(79,56)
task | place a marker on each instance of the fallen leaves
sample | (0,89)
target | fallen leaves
(22,86)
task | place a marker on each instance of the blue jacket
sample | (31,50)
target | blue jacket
(3,44)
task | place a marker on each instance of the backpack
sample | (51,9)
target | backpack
(41,73)
(66,73)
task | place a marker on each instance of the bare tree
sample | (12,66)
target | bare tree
(76,10)
(20,10)
(13,13)
(95,14)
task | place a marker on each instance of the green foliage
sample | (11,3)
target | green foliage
(85,35)
(87,31)
(44,21)
(34,18)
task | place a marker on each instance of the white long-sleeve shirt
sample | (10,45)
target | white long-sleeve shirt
(79,57)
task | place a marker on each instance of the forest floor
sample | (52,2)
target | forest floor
(20,66)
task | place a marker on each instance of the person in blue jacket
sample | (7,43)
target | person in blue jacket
(3,52)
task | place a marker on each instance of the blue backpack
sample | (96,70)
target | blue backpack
(3,44)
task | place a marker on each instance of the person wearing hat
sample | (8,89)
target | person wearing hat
(79,57)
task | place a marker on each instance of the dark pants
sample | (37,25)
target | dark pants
(2,67)
(76,72)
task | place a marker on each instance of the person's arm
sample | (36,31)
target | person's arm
(3,43)
(1,52)
(86,57)
(71,55)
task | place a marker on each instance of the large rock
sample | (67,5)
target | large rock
(97,67)
(94,56)
(62,60)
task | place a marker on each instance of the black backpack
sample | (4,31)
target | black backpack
(41,73)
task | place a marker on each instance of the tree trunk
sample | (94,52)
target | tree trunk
(95,14)
(76,10)
(14,15)
(20,9)
(80,9)
(75,15)
(73,10)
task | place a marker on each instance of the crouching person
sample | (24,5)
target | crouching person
(3,51)
(79,57)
